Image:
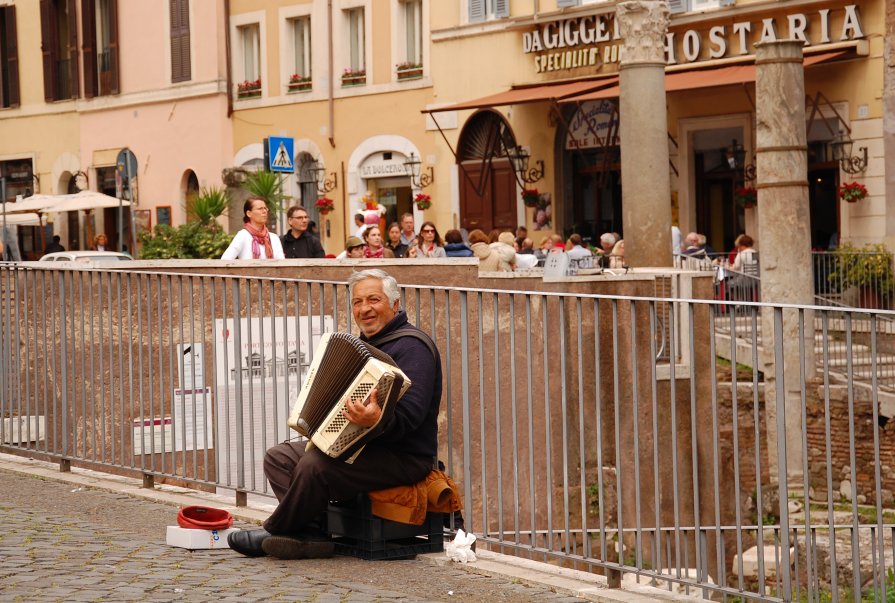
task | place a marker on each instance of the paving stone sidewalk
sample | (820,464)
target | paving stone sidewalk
(65,543)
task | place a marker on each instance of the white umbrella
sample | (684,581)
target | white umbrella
(33,204)
(23,219)
(83,200)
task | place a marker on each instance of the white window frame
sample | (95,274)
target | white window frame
(301,26)
(237,61)
(399,39)
(412,16)
(317,70)
(356,38)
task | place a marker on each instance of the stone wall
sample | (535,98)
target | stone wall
(840,446)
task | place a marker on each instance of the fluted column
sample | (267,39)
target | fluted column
(646,194)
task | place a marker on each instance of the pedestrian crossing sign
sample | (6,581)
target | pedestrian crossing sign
(280,150)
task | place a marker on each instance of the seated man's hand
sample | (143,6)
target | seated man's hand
(365,413)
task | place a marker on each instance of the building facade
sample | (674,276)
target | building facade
(471,102)
(346,80)
(550,86)
(82,80)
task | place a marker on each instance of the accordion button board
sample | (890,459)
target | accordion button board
(344,368)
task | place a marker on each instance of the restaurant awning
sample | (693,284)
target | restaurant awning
(518,95)
(702,78)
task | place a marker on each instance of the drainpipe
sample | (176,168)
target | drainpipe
(332,109)
(229,68)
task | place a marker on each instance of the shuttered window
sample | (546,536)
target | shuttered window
(567,3)
(99,24)
(9,58)
(479,10)
(59,47)
(180,40)
(678,6)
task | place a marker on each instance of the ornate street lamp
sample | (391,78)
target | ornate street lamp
(318,172)
(842,148)
(520,157)
(413,166)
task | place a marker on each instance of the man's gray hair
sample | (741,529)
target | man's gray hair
(389,284)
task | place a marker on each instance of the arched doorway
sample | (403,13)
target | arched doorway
(190,189)
(488,196)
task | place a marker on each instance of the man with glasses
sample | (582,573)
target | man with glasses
(298,242)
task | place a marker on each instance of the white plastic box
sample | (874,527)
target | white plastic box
(193,539)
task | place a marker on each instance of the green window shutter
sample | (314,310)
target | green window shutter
(501,8)
(567,3)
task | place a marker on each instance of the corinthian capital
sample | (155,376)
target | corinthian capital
(643,25)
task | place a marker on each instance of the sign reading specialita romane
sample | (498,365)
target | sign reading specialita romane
(594,40)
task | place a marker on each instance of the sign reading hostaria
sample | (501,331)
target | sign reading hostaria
(594,40)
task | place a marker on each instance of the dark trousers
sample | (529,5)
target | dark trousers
(305,482)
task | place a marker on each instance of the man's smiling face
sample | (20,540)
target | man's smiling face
(370,306)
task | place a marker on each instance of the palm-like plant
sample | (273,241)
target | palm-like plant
(268,186)
(209,205)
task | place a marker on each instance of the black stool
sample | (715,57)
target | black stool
(359,533)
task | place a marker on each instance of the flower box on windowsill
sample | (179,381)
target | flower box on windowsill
(414,73)
(248,94)
(354,80)
(22,429)
(300,86)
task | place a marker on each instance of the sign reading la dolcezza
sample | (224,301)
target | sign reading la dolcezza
(594,40)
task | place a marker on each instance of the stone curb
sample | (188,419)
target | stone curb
(584,585)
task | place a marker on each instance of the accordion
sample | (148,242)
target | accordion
(344,367)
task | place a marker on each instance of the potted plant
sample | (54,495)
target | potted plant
(354,77)
(531,197)
(299,83)
(423,201)
(852,192)
(409,70)
(249,89)
(324,205)
(745,196)
(868,270)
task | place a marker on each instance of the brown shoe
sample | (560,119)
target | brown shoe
(286,547)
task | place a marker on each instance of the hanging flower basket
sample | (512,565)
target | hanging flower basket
(423,201)
(299,83)
(248,89)
(531,197)
(852,192)
(745,196)
(324,205)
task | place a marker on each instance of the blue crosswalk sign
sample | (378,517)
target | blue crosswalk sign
(281,152)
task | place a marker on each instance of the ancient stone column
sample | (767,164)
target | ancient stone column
(785,238)
(646,188)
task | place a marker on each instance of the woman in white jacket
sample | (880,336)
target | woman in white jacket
(254,241)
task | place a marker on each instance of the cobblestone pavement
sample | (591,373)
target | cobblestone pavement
(59,543)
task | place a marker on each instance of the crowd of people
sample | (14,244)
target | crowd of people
(497,251)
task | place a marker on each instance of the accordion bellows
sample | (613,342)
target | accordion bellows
(344,367)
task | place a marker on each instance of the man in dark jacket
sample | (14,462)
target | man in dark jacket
(298,242)
(403,453)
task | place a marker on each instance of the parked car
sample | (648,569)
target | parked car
(86,256)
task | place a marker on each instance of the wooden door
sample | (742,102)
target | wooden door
(495,207)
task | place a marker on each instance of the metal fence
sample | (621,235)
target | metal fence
(572,439)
